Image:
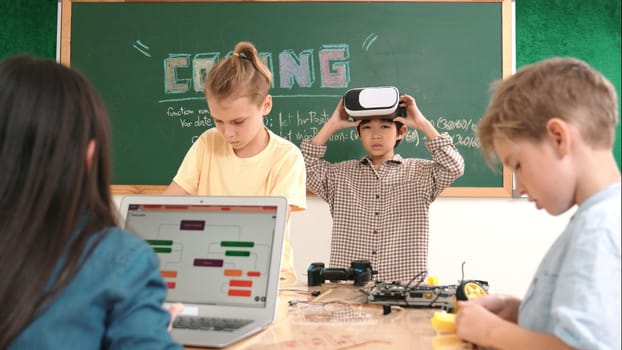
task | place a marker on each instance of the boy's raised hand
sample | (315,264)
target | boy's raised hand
(414,118)
(339,118)
(337,121)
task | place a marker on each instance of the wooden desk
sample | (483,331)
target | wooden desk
(339,319)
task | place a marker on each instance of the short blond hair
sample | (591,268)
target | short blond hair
(564,88)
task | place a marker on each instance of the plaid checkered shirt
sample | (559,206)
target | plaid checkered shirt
(382,215)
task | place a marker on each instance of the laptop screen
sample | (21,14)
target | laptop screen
(209,254)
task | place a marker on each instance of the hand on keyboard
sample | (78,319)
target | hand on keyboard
(174,309)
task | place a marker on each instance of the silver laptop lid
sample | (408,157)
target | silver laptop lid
(216,253)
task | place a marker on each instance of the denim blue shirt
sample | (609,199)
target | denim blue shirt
(114,302)
(575,293)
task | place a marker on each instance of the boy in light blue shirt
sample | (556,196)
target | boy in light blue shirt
(553,123)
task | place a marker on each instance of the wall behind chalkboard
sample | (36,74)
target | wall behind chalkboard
(149,67)
(28,26)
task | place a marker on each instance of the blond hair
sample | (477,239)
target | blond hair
(241,75)
(564,88)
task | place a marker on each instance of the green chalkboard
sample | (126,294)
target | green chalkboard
(147,59)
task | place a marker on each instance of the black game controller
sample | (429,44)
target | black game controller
(360,271)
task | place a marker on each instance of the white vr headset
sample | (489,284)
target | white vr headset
(372,102)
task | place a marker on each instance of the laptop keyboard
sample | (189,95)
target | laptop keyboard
(209,323)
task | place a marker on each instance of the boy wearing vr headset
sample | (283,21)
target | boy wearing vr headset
(379,204)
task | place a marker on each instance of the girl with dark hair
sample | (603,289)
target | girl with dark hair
(71,278)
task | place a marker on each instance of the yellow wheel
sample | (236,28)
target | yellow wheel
(473,290)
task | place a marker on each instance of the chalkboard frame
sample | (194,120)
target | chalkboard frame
(507,69)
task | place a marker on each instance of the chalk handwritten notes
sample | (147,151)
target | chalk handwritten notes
(296,125)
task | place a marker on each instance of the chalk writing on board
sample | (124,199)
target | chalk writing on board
(185,72)
(296,125)
(369,40)
(142,48)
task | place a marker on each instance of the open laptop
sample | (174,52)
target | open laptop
(219,256)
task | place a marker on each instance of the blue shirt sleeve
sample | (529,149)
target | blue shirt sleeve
(136,318)
(113,302)
(575,293)
(586,302)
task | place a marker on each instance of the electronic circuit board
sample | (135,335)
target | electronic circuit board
(430,296)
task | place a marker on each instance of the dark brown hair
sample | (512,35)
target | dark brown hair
(51,201)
